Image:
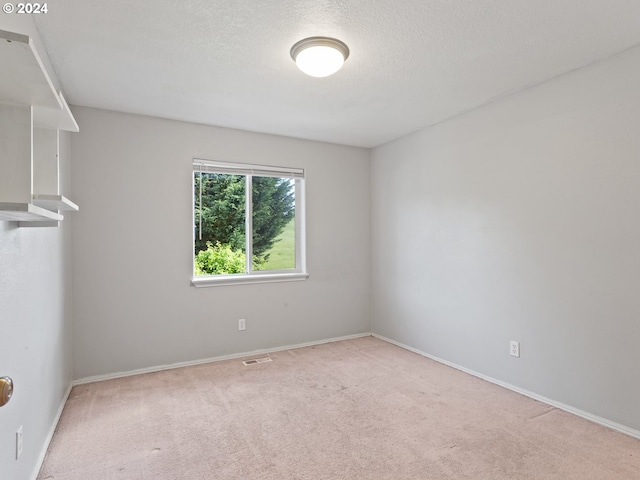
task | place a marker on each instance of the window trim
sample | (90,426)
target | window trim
(246,279)
(299,273)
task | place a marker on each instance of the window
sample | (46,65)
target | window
(248,223)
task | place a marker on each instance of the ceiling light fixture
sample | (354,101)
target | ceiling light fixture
(319,56)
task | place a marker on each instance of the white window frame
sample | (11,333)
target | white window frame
(298,273)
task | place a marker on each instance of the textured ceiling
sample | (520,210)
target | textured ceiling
(413,63)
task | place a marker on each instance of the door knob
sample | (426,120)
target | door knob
(6,390)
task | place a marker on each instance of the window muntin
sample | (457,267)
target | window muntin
(224,213)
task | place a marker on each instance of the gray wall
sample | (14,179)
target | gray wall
(35,321)
(134,307)
(520,221)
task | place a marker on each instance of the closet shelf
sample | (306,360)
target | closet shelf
(55,118)
(32,113)
(25,82)
(26,212)
(55,202)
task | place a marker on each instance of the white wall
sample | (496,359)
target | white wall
(520,221)
(133,304)
(35,321)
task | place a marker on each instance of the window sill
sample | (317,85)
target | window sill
(222,280)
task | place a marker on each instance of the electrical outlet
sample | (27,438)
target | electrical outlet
(514,348)
(19,442)
(242,324)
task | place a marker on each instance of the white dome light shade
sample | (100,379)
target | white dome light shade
(319,56)
(319,61)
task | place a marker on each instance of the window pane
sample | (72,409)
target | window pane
(274,229)
(219,201)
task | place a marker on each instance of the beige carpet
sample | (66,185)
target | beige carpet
(358,409)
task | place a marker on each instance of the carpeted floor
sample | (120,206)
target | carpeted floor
(358,409)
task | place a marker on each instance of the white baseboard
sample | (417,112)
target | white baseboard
(567,408)
(159,368)
(52,430)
